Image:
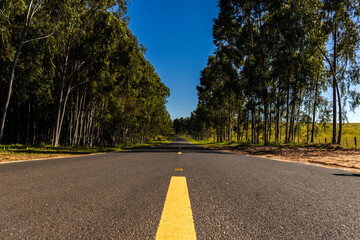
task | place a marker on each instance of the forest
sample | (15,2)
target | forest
(281,69)
(73,74)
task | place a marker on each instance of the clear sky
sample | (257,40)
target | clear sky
(177,34)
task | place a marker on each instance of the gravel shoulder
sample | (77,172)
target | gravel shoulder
(331,156)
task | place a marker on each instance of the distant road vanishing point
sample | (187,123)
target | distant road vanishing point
(172,193)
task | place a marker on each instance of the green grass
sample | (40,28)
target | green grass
(211,144)
(350,130)
(48,149)
(323,137)
(152,143)
(292,145)
(324,134)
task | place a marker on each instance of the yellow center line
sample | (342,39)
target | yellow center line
(176,219)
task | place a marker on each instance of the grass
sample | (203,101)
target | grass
(350,130)
(48,149)
(211,144)
(292,145)
(322,138)
(324,134)
(328,155)
(13,152)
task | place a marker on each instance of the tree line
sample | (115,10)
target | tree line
(72,73)
(274,64)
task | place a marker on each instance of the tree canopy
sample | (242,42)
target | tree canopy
(80,76)
(272,64)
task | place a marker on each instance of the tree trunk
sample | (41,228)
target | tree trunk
(230,130)
(253,132)
(34,132)
(32,9)
(28,125)
(10,84)
(265,123)
(238,123)
(291,136)
(81,130)
(308,119)
(334,84)
(258,129)
(270,124)
(77,115)
(60,102)
(247,125)
(287,112)
(63,112)
(297,122)
(340,115)
(314,112)
(277,121)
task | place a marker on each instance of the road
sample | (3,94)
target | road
(121,195)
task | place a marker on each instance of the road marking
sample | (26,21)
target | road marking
(178,169)
(179,153)
(176,219)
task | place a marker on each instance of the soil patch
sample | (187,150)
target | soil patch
(331,156)
(9,157)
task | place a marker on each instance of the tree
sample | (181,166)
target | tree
(31,9)
(88,84)
(340,27)
(279,50)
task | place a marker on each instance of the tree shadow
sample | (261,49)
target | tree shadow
(174,148)
(178,145)
(50,152)
(347,174)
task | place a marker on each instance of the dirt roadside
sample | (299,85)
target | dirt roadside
(331,156)
(8,157)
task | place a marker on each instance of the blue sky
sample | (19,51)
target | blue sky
(177,34)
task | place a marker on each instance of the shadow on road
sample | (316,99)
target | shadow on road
(347,175)
(178,145)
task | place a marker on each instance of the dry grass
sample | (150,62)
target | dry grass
(328,155)
(18,152)
(10,157)
(333,158)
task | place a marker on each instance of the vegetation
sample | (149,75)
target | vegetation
(322,138)
(48,149)
(72,73)
(274,61)
(15,152)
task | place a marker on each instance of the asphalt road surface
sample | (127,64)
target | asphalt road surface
(122,196)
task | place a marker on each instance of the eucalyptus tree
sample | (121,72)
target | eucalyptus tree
(73,47)
(208,93)
(339,30)
(276,49)
(28,13)
(88,84)
(344,24)
(217,93)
